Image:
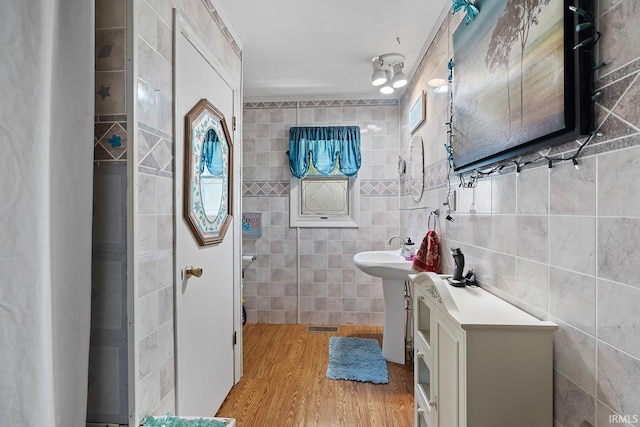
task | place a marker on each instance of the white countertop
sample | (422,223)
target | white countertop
(473,306)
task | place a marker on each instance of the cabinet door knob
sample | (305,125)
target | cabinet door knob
(420,411)
(433,403)
(420,355)
(421,298)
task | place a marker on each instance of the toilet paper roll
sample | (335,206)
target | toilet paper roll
(248,258)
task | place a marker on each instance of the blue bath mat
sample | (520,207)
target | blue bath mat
(357,359)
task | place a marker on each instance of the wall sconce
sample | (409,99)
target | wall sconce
(387,72)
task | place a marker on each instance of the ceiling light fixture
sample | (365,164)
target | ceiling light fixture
(399,79)
(379,76)
(387,72)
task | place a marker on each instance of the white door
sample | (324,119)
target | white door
(204,305)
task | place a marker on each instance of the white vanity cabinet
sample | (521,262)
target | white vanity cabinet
(479,361)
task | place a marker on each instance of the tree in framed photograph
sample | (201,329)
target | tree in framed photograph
(519,85)
(418,112)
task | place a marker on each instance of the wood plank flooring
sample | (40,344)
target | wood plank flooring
(285,383)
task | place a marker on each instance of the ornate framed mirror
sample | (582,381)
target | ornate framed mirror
(208,189)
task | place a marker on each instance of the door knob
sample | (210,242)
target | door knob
(192,271)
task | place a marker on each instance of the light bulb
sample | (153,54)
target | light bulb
(379,77)
(386,89)
(399,79)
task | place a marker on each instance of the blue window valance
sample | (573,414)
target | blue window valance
(325,145)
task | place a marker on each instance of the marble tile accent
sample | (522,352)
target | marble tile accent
(618,177)
(572,406)
(477,199)
(533,235)
(533,191)
(503,272)
(572,243)
(574,356)
(618,379)
(147,393)
(164,190)
(480,227)
(167,377)
(503,194)
(165,305)
(618,316)
(165,232)
(147,234)
(148,351)
(147,274)
(572,299)
(147,309)
(617,239)
(503,238)
(573,191)
(532,283)
(147,200)
(619,26)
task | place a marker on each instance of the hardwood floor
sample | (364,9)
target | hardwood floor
(285,383)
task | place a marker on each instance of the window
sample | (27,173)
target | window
(324,201)
(325,189)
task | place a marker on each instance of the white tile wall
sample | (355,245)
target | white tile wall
(331,289)
(563,242)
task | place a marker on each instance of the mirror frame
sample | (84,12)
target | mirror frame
(416,177)
(196,218)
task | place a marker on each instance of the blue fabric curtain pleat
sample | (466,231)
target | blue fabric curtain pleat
(325,145)
(211,154)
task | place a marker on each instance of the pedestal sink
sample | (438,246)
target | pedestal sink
(394,271)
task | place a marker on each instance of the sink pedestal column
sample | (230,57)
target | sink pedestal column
(393,336)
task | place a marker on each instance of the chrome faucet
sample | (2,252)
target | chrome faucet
(398,237)
(407,250)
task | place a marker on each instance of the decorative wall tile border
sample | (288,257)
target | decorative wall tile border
(334,103)
(435,176)
(281,188)
(110,139)
(155,151)
(625,71)
(223,27)
(387,187)
(265,188)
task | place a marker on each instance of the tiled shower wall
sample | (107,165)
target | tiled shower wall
(311,269)
(560,243)
(155,379)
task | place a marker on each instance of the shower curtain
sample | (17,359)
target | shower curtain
(46,156)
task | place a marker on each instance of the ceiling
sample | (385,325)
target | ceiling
(299,49)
